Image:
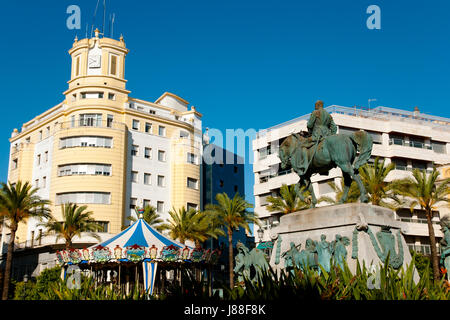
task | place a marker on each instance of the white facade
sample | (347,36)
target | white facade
(410,139)
(152,166)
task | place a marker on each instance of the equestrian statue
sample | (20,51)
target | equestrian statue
(321,149)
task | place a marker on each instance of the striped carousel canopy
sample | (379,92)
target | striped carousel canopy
(140,234)
(139,242)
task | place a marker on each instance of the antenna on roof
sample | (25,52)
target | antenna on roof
(93,18)
(104,16)
(112,25)
(371,100)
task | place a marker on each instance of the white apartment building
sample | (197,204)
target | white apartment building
(408,139)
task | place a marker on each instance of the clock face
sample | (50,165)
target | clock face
(94,61)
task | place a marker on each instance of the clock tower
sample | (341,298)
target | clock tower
(98,70)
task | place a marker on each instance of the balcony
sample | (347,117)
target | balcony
(51,240)
(416,220)
(277,174)
(410,169)
(423,248)
(413,144)
(90,123)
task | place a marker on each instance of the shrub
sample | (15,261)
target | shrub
(341,284)
(32,290)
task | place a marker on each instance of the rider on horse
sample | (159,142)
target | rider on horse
(320,125)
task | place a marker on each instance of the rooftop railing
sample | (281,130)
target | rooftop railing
(378,113)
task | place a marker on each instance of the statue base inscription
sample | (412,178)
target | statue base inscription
(333,234)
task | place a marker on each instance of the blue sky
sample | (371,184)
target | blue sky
(243,64)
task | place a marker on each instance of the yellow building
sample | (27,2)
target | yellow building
(103,148)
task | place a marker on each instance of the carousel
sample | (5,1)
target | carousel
(139,258)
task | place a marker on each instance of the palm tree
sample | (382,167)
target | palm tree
(353,193)
(289,200)
(423,191)
(232,214)
(18,202)
(152,217)
(374,180)
(75,220)
(189,225)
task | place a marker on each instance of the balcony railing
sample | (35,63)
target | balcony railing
(414,144)
(416,220)
(423,248)
(406,168)
(277,174)
(106,124)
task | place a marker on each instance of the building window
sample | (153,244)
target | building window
(84,169)
(92,95)
(191,206)
(134,176)
(236,189)
(161,181)
(46,156)
(40,135)
(84,197)
(36,183)
(191,158)
(148,127)
(160,206)
(264,152)
(135,124)
(161,155)
(113,65)
(162,131)
(146,203)
(439,147)
(235,169)
(396,139)
(133,202)
(104,226)
(400,164)
(44,182)
(221,183)
(47,132)
(38,159)
(134,150)
(15,163)
(147,178)
(148,153)
(152,111)
(86,141)
(111,96)
(421,165)
(91,120)
(77,66)
(109,120)
(184,134)
(192,183)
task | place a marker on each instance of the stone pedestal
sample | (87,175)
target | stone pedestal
(366,232)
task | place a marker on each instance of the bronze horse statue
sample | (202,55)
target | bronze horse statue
(339,150)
